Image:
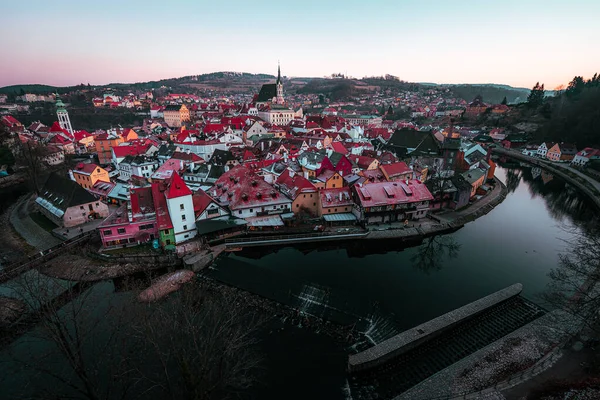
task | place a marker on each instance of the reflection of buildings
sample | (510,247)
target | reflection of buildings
(536,172)
(547,177)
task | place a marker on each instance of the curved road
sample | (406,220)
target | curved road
(33,234)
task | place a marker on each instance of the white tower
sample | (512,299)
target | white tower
(279,98)
(63,116)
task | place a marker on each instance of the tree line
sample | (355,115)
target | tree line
(572,115)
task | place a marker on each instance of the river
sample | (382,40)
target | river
(385,288)
(519,241)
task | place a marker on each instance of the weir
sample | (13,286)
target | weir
(397,364)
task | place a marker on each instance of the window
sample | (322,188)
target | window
(83,214)
(168,241)
(182,207)
(91,207)
(185,227)
(335,210)
(240,212)
(166,231)
(183,217)
(251,210)
(314,204)
(97,205)
(107,232)
(147,226)
(121,230)
(297,205)
(81,207)
(303,196)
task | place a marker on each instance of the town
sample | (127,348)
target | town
(134,181)
(203,169)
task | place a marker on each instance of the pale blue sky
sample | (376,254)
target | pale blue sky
(64,42)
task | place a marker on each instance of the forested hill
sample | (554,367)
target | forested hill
(491,93)
(573,116)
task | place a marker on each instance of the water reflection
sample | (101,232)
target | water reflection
(430,256)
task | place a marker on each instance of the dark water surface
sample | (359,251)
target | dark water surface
(519,241)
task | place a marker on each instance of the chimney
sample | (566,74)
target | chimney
(306,174)
(340,196)
(226,167)
(292,173)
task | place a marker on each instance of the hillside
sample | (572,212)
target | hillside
(338,88)
(491,93)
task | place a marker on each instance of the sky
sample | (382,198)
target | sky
(514,42)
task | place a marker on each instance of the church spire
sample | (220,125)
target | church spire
(278,73)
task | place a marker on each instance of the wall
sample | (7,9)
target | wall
(79,214)
(306,202)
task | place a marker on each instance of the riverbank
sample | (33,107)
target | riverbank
(590,187)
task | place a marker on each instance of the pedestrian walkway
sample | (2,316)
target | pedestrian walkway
(33,234)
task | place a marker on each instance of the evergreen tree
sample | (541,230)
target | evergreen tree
(504,101)
(575,87)
(390,110)
(536,97)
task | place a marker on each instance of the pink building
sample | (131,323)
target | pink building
(134,225)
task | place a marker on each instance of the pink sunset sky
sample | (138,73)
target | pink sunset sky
(518,43)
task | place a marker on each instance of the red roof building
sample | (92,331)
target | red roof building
(391,201)
(397,171)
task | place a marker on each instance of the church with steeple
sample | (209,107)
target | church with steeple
(272,93)
(271,104)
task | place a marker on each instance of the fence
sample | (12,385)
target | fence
(274,238)
(17,268)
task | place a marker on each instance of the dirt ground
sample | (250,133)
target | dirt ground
(14,247)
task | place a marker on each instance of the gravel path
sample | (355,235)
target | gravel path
(33,234)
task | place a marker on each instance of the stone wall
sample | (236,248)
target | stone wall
(411,338)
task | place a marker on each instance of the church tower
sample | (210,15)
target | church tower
(279,84)
(63,116)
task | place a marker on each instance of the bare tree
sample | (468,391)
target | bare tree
(73,341)
(204,342)
(430,255)
(573,284)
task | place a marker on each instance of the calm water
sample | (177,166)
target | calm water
(519,241)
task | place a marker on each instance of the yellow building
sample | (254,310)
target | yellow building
(176,115)
(86,175)
(104,143)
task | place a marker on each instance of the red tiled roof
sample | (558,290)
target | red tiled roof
(177,187)
(142,201)
(85,169)
(201,200)
(363,162)
(79,135)
(10,121)
(160,206)
(339,147)
(335,197)
(294,185)
(390,193)
(395,169)
(242,188)
(130,150)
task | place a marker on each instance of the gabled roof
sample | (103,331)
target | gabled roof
(292,184)
(395,169)
(201,200)
(64,193)
(142,202)
(85,169)
(177,187)
(241,188)
(339,147)
(160,206)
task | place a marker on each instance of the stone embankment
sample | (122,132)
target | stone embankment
(407,340)
(586,185)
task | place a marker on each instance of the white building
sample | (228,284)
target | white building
(543,149)
(181,209)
